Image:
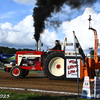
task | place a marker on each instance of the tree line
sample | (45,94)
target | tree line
(7,50)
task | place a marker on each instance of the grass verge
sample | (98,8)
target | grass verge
(1,70)
(30,96)
(5,95)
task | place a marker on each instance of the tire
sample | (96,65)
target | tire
(25,72)
(16,72)
(54,66)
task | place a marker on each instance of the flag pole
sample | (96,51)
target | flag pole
(77,75)
(77,68)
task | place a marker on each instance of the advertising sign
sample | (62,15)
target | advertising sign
(71,68)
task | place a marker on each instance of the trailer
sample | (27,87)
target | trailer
(7,58)
(57,64)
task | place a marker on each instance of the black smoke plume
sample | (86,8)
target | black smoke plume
(44,8)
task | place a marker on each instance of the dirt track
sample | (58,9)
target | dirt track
(39,81)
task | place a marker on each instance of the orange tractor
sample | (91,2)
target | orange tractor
(57,64)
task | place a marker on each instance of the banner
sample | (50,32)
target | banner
(71,68)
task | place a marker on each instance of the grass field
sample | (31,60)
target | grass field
(5,95)
(1,70)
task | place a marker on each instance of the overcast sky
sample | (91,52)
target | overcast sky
(16,25)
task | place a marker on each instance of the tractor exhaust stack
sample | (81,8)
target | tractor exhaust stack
(36,46)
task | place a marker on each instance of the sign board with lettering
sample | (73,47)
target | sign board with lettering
(97,88)
(71,68)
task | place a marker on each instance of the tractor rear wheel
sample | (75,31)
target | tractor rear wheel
(25,72)
(54,66)
(16,71)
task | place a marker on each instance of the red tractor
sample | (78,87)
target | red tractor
(52,63)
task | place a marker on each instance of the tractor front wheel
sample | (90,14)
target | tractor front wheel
(16,71)
(54,66)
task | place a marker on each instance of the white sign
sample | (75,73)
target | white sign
(71,68)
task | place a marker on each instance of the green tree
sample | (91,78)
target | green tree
(7,50)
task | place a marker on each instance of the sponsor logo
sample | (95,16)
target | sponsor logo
(72,68)
(4,57)
(72,61)
(33,68)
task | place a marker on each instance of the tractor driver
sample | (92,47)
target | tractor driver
(57,46)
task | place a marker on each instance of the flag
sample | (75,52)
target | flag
(79,49)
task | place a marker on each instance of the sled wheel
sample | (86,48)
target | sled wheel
(16,71)
(54,66)
(24,72)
